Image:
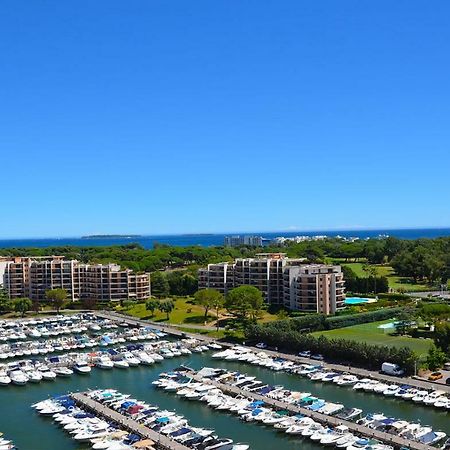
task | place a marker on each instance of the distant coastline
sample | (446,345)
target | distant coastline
(111,236)
(208,240)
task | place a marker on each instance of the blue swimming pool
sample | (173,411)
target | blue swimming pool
(358,300)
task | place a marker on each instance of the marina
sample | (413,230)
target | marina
(104,369)
(254,400)
(104,418)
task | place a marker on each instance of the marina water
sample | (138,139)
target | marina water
(30,431)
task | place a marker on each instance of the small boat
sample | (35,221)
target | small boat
(82,367)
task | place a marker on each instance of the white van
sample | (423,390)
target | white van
(392,369)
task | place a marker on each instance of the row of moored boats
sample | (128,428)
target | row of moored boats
(22,329)
(102,434)
(316,372)
(47,369)
(249,409)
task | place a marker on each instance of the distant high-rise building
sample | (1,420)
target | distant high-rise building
(32,276)
(282,281)
(237,241)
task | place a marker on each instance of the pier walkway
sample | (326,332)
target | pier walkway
(161,442)
(420,384)
(387,438)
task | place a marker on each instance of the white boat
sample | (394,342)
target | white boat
(18,377)
(104,362)
(420,396)
(145,358)
(131,359)
(48,374)
(4,379)
(63,371)
(34,376)
(82,367)
(120,363)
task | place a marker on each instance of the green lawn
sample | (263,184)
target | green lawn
(395,282)
(185,312)
(370,333)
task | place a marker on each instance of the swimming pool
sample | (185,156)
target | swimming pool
(387,326)
(358,300)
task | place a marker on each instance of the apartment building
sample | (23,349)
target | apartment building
(237,241)
(32,276)
(314,288)
(282,281)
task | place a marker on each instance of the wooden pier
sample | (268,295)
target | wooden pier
(161,442)
(389,439)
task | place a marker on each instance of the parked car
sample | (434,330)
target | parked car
(435,376)
(318,357)
(305,354)
(447,381)
(261,345)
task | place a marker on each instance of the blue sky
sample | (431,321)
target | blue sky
(156,116)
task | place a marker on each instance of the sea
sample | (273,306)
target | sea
(208,240)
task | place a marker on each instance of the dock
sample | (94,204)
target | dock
(387,438)
(161,442)
(415,383)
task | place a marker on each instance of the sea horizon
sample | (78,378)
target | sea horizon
(216,239)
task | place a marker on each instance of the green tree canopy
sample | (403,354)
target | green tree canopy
(166,306)
(57,297)
(152,304)
(208,299)
(159,285)
(22,305)
(244,301)
(5,302)
(442,336)
(436,358)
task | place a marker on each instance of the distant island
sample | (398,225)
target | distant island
(111,236)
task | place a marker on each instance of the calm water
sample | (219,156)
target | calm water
(33,432)
(207,240)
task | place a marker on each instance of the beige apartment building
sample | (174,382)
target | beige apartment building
(32,276)
(282,281)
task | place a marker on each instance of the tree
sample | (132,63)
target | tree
(57,297)
(166,306)
(442,336)
(244,301)
(159,285)
(5,302)
(151,305)
(436,358)
(405,320)
(209,298)
(22,305)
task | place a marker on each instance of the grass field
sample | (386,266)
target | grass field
(370,333)
(185,312)
(395,282)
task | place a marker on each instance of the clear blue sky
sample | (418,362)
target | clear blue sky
(157,116)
